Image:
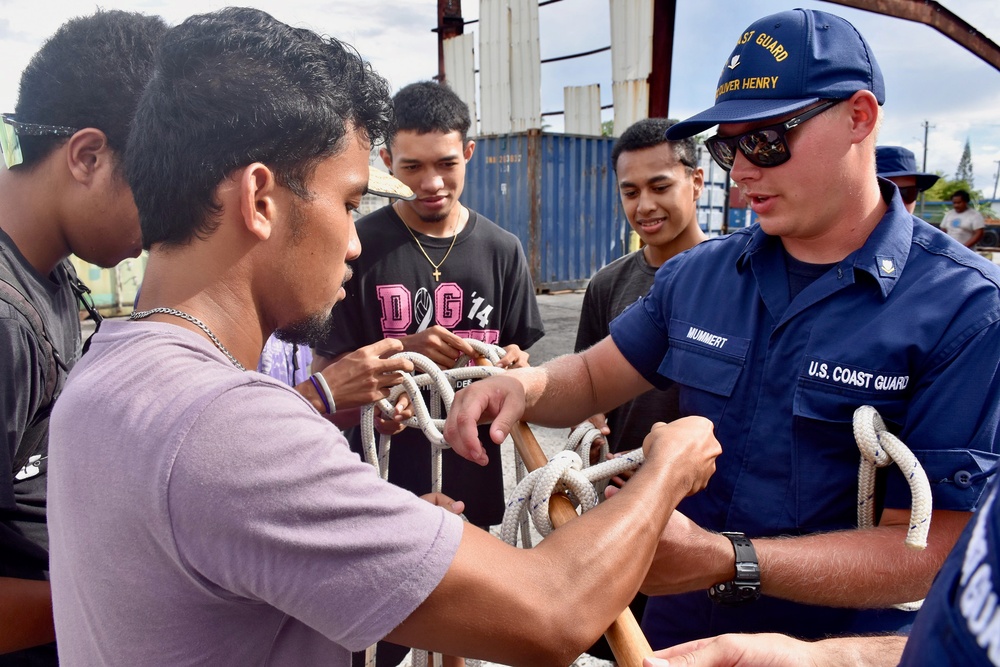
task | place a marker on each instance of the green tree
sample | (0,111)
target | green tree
(608,128)
(964,171)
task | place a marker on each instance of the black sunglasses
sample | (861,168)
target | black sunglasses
(765,146)
(908,193)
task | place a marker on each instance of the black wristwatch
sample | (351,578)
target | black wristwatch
(746,586)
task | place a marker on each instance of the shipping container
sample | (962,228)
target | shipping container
(557,194)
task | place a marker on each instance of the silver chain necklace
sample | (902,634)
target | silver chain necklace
(138,315)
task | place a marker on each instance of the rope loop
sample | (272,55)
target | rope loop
(563,473)
(880,448)
(427,414)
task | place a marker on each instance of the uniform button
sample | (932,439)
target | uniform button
(963,479)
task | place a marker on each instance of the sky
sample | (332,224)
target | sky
(929,79)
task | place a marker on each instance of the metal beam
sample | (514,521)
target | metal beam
(450,24)
(664,14)
(936,16)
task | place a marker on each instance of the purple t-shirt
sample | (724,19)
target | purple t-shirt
(202,515)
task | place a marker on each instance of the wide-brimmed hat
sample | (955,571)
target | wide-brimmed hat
(784,63)
(898,161)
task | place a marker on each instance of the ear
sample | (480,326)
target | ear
(386,158)
(863,109)
(470,148)
(87,152)
(257,204)
(698,177)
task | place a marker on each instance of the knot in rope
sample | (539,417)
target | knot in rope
(879,448)
(427,414)
(564,472)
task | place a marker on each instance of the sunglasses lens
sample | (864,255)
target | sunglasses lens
(722,151)
(10,146)
(909,194)
(764,148)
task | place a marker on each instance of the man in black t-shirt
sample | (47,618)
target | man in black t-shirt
(659,182)
(432,272)
(64,192)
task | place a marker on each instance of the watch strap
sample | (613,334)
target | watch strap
(745,586)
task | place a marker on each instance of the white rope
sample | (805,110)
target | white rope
(426,418)
(429,419)
(880,448)
(564,472)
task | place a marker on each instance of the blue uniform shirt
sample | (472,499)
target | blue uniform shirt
(909,323)
(959,623)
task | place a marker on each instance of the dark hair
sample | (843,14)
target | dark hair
(90,73)
(235,87)
(650,132)
(428,106)
(964,194)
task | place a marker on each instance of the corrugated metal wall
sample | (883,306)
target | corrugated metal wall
(557,194)
(582,109)
(460,70)
(631,60)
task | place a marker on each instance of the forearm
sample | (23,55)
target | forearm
(555,393)
(526,602)
(25,614)
(569,389)
(859,651)
(856,568)
(775,650)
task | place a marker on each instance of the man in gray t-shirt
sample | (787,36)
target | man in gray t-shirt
(202,513)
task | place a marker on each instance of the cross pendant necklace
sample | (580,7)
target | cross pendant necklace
(437,266)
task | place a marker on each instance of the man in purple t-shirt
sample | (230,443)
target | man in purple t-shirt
(206,514)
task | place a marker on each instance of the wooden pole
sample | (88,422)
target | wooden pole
(624,636)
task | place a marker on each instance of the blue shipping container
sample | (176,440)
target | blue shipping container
(557,194)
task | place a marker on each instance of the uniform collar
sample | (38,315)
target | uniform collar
(883,256)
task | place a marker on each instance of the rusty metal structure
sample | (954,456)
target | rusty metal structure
(927,12)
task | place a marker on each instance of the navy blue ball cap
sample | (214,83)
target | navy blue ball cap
(784,63)
(893,161)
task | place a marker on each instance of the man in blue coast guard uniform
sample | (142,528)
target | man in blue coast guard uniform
(839,298)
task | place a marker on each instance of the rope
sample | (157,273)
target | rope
(427,418)
(564,472)
(880,448)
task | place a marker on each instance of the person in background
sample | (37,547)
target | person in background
(899,165)
(64,192)
(432,273)
(963,223)
(224,520)
(659,182)
(778,333)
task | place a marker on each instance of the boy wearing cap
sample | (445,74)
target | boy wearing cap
(899,165)
(64,193)
(777,334)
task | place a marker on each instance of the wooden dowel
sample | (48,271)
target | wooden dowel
(624,636)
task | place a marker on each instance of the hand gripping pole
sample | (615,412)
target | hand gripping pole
(624,636)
